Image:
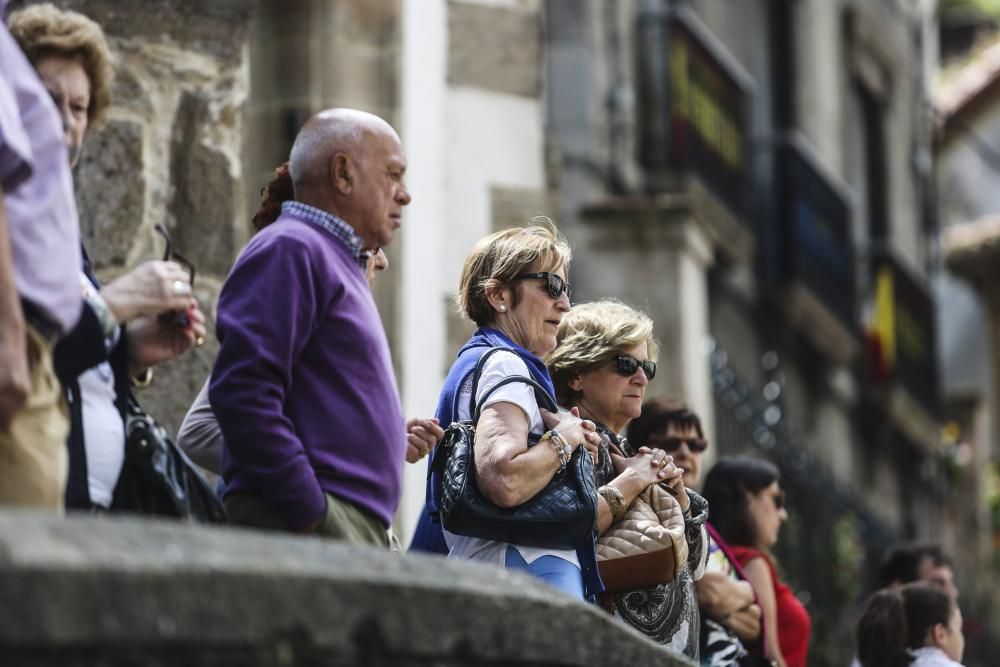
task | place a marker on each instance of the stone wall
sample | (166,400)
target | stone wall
(170,153)
(116,592)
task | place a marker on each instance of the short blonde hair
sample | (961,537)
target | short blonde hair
(497,258)
(592,334)
(45,30)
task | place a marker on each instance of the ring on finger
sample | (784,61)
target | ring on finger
(180,288)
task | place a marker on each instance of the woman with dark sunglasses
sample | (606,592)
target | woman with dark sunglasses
(748,508)
(604,361)
(730,616)
(514,287)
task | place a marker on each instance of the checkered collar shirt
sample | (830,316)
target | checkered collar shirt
(332,224)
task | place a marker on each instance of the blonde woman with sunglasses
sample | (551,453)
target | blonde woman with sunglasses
(604,360)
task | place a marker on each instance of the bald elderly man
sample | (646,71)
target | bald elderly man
(303,386)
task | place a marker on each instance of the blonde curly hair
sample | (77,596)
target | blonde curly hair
(45,30)
(592,334)
(497,258)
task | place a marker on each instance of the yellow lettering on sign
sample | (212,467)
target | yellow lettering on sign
(885,315)
(679,77)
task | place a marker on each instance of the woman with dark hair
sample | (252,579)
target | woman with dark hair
(915,625)
(730,616)
(748,508)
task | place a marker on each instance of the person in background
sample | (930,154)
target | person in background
(604,359)
(39,284)
(911,625)
(303,385)
(748,508)
(730,616)
(96,360)
(906,563)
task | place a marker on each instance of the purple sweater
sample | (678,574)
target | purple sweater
(303,386)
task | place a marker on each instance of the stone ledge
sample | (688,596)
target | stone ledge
(121,591)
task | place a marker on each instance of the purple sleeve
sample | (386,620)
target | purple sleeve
(267,310)
(15,148)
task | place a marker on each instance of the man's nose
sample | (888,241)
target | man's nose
(403,196)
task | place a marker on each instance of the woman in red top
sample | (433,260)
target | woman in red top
(747,508)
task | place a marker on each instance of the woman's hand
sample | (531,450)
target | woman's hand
(650,466)
(153,339)
(671,475)
(573,430)
(151,288)
(421,436)
(745,622)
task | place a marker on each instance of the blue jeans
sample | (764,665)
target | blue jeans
(551,569)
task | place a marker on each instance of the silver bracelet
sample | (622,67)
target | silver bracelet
(563,450)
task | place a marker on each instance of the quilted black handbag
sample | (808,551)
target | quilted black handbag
(158,478)
(560,516)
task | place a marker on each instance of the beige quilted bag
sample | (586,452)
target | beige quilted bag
(645,547)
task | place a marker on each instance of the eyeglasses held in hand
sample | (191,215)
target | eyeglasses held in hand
(171,255)
(179,318)
(627,366)
(554,283)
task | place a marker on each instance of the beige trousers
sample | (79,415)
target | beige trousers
(33,458)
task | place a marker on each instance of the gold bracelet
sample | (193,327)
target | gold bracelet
(143,379)
(615,500)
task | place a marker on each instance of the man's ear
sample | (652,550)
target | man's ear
(575,383)
(342,173)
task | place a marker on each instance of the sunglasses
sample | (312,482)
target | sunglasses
(554,284)
(627,366)
(672,444)
(171,255)
(779,500)
(179,318)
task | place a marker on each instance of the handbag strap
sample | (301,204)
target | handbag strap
(475,407)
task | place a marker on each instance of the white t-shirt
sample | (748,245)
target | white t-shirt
(499,366)
(103,430)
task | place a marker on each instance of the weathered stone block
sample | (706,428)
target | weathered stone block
(129,92)
(495,48)
(120,591)
(203,206)
(218,27)
(110,190)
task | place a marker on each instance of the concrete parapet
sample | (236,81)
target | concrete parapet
(122,591)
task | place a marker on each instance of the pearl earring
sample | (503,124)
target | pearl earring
(502,308)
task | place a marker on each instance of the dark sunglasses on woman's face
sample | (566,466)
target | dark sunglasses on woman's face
(672,444)
(627,366)
(779,500)
(554,283)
